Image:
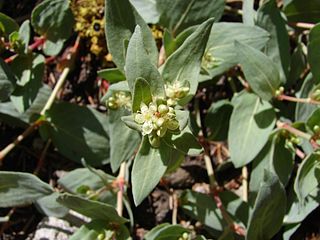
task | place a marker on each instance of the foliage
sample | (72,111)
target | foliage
(249,90)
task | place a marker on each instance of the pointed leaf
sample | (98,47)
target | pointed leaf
(141,94)
(113,75)
(7,81)
(19,189)
(300,11)
(123,140)
(185,63)
(307,178)
(269,209)
(274,157)
(121,20)
(251,122)
(54,21)
(139,65)
(260,72)
(180,14)
(148,168)
(79,132)
(221,54)
(91,209)
(313,51)
(278,47)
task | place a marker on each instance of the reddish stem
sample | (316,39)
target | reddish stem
(37,43)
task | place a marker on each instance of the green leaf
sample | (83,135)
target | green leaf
(298,211)
(123,140)
(184,64)
(180,14)
(314,119)
(252,120)
(166,231)
(98,229)
(269,209)
(139,65)
(92,209)
(7,25)
(29,70)
(297,66)
(249,13)
(19,189)
(303,111)
(121,19)
(274,157)
(129,121)
(50,207)
(79,132)
(171,44)
(25,34)
(278,47)
(7,81)
(148,167)
(202,207)
(147,10)
(220,54)
(141,94)
(217,120)
(299,11)
(72,180)
(53,20)
(313,51)
(10,115)
(307,178)
(259,70)
(113,75)
(185,142)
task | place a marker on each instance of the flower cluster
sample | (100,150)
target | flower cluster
(119,99)
(176,91)
(90,23)
(155,121)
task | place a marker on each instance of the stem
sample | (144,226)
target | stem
(37,123)
(174,208)
(302,25)
(54,93)
(38,42)
(42,157)
(293,130)
(297,100)
(245,183)
(210,171)
(22,136)
(120,181)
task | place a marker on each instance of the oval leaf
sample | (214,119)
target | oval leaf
(19,189)
(260,72)
(252,120)
(92,209)
(269,209)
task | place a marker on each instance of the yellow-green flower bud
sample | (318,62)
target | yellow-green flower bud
(101,236)
(161,131)
(154,141)
(172,124)
(163,109)
(185,235)
(316,128)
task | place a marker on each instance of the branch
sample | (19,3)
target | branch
(120,183)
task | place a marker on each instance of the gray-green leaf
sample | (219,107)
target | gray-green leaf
(251,122)
(269,209)
(259,70)
(19,189)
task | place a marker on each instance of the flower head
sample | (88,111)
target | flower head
(156,120)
